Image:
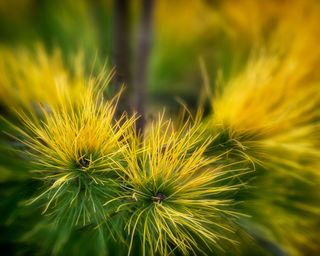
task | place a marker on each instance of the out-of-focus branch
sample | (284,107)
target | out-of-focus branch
(143,52)
(121,51)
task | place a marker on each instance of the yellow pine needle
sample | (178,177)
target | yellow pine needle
(178,200)
(74,147)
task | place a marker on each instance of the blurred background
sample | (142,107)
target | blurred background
(153,44)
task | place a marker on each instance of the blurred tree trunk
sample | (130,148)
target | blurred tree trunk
(141,70)
(121,52)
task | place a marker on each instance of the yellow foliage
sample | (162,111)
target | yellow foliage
(272,104)
(74,148)
(178,196)
(29,78)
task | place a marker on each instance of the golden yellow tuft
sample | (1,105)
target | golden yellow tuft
(74,148)
(268,108)
(179,200)
(269,115)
